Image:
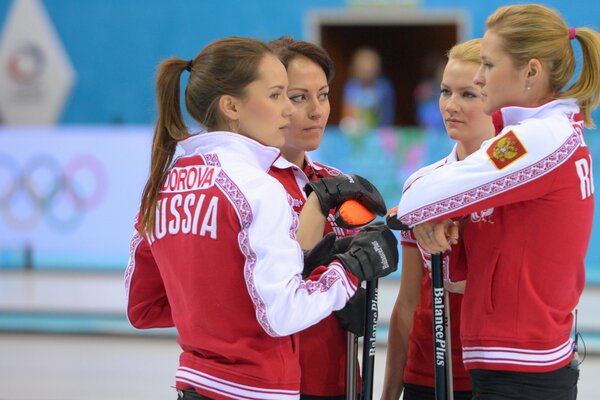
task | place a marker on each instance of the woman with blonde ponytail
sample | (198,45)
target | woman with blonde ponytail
(528,195)
(214,252)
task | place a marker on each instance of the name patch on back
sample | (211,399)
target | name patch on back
(190,178)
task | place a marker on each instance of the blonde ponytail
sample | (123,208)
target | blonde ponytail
(587,87)
(531,31)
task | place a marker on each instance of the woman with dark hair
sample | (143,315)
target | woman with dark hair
(214,252)
(310,70)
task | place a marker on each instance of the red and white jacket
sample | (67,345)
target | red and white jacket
(529,193)
(420,340)
(223,266)
(325,341)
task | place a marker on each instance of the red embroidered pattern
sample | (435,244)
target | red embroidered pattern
(406,236)
(135,241)
(245,212)
(295,220)
(495,187)
(331,171)
(324,283)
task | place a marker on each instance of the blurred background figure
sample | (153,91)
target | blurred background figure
(368,98)
(427,93)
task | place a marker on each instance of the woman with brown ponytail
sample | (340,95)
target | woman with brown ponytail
(214,252)
(528,195)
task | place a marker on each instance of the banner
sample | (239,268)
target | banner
(68,196)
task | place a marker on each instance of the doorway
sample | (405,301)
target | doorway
(409,41)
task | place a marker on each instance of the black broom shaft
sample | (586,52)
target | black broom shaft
(439,336)
(369,340)
(351,356)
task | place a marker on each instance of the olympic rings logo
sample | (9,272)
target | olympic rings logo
(26,64)
(43,189)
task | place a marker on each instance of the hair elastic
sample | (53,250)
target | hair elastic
(188,67)
(572,33)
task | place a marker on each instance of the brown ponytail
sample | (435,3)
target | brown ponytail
(170,128)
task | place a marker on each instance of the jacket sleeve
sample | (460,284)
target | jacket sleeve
(515,166)
(147,303)
(284,302)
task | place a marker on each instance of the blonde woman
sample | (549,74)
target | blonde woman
(409,368)
(529,194)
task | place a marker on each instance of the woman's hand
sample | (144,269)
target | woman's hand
(437,236)
(455,287)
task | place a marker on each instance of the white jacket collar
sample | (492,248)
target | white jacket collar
(283,163)
(228,143)
(515,115)
(453,156)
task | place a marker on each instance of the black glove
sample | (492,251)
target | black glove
(324,252)
(333,191)
(352,316)
(379,226)
(373,253)
(392,221)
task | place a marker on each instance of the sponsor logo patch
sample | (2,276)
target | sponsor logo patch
(505,150)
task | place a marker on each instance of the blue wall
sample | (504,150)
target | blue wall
(115,45)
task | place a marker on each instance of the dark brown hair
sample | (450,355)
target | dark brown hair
(224,67)
(286,48)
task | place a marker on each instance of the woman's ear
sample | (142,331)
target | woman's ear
(229,107)
(534,71)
